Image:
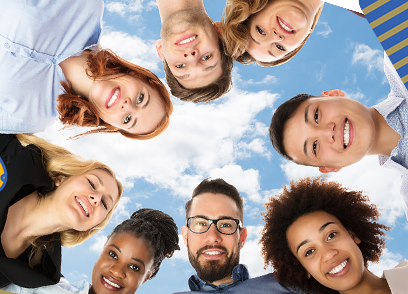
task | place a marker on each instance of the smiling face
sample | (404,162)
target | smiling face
(189,44)
(127,103)
(123,265)
(85,200)
(326,250)
(212,254)
(280,28)
(330,132)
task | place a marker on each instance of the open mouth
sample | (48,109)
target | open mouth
(346,135)
(338,268)
(114,98)
(111,283)
(285,27)
(212,252)
(82,205)
(187,40)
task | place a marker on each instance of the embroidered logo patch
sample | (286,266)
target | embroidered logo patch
(3,174)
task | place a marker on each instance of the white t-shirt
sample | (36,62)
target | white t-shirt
(63,287)
(348,4)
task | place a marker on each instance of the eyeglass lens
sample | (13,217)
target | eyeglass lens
(225,226)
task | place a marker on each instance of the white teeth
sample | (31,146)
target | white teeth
(346,136)
(83,206)
(113,99)
(284,26)
(110,283)
(338,268)
(213,252)
(188,40)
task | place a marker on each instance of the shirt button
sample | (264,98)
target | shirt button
(53,61)
(406,137)
(6,45)
(395,153)
(32,54)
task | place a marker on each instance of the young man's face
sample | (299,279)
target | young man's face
(189,44)
(329,132)
(213,254)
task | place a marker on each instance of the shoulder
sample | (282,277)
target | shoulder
(263,283)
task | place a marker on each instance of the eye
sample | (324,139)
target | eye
(91,184)
(134,267)
(104,204)
(225,225)
(316,115)
(182,65)
(260,31)
(206,57)
(113,254)
(331,235)
(280,47)
(310,251)
(314,147)
(127,119)
(140,99)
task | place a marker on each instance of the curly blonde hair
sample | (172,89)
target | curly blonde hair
(57,162)
(235,31)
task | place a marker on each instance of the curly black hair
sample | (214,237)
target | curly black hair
(156,227)
(309,195)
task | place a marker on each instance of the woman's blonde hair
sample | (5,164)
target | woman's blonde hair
(57,162)
(235,31)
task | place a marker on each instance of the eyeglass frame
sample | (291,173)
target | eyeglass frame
(214,221)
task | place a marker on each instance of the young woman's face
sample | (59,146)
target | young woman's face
(85,200)
(128,104)
(327,250)
(279,28)
(123,265)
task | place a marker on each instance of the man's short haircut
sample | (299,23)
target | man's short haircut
(309,195)
(207,93)
(279,119)
(218,186)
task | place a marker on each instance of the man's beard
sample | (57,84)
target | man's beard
(214,270)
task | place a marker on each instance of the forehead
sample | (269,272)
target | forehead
(214,206)
(132,246)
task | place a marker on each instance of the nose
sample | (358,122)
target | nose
(117,271)
(212,235)
(126,104)
(277,37)
(329,253)
(191,54)
(326,133)
(95,198)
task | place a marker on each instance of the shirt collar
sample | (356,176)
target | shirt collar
(239,273)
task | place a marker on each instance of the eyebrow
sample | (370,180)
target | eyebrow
(135,259)
(270,53)
(101,183)
(210,67)
(307,240)
(256,42)
(307,122)
(183,77)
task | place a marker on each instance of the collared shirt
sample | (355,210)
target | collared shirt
(63,287)
(241,283)
(395,111)
(35,36)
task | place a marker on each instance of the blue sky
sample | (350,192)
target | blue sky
(228,138)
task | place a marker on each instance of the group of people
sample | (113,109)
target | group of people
(318,235)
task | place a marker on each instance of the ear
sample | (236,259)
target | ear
(309,275)
(327,169)
(333,93)
(217,25)
(242,236)
(148,276)
(354,237)
(184,231)
(159,49)
(58,180)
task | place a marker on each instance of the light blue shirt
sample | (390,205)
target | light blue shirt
(395,111)
(63,287)
(35,36)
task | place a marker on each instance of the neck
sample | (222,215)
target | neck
(386,139)
(227,280)
(370,284)
(166,10)
(74,69)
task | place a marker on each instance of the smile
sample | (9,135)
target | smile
(346,137)
(113,98)
(188,40)
(285,27)
(212,252)
(82,205)
(111,283)
(339,268)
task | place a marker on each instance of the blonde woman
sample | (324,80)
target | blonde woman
(49,197)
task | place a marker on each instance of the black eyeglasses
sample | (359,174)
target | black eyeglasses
(199,225)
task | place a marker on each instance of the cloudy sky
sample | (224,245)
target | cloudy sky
(228,138)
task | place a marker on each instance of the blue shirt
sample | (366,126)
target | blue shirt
(241,284)
(35,36)
(395,111)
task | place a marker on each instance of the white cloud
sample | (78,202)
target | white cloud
(99,241)
(356,95)
(373,59)
(182,253)
(388,260)
(268,79)
(130,7)
(116,7)
(320,74)
(325,29)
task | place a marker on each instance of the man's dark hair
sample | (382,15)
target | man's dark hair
(204,94)
(279,119)
(218,186)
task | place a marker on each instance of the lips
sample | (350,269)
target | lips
(285,26)
(111,283)
(348,133)
(85,205)
(339,269)
(212,252)
(113,98)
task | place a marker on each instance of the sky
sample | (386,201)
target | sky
(228,138)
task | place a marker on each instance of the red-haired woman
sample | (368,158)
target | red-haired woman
(44,44)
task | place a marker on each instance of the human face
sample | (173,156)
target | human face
(189,44)
(85,200)
(123,265)
(329,132)
(212,254)
(280,28)
(127,103)
(327,250)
